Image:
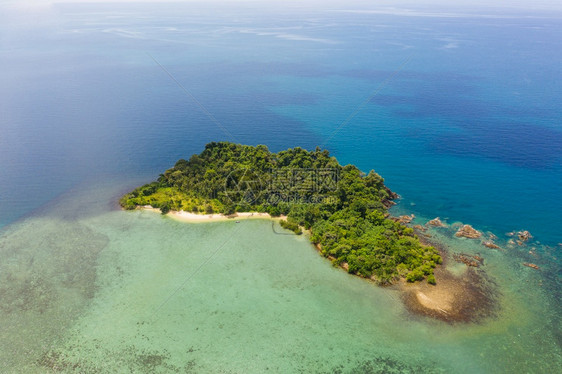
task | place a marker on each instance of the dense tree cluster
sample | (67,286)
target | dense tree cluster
(344,208)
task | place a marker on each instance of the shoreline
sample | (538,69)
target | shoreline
(190,217)
(468,297)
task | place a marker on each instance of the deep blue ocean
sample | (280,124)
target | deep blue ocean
(458,108)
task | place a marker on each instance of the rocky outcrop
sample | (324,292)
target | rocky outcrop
(391,196)
(524,235)
(436,222)
(533,266)
(420,227)
(490,244)
(405,219)
(467,231)
(474,261)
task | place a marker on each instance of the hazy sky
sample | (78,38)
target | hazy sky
(34,6)
(419,3)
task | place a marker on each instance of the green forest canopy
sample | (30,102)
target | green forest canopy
(344,208)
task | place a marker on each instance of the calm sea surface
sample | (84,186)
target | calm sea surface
(458,110)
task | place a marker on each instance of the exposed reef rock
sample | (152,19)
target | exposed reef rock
(533,266)
(419,227)
(436,222)
(490,244)
(524,235)
(468,231)
(391,196)
(388,203)
(405,219)
(469,260)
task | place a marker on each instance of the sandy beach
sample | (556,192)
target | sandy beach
(195,218)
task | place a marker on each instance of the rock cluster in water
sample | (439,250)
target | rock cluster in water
(405,219)
(533,266)
(468,231)
(469,260)
(524,235)
(436,222)
(490,244)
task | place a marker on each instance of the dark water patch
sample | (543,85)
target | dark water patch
(34,268)
(518,144)
(408,76)
(454,103)
(450,95)
(384,365)
(47,278)
(131,359)
(475,126)
(33,293)
(436,97)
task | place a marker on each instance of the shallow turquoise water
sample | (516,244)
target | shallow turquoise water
(115,291)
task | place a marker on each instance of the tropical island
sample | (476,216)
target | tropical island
(343,209)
